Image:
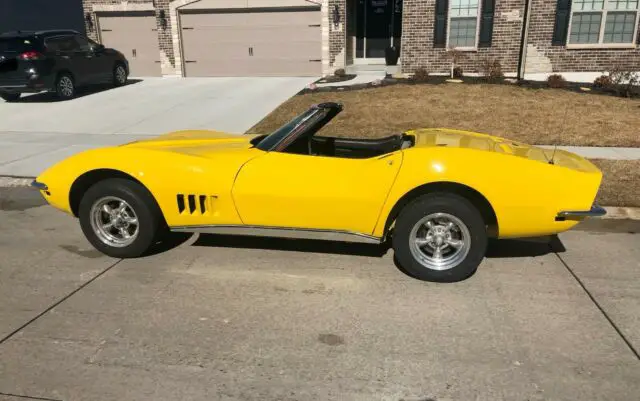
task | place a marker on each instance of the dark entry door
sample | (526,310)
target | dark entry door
(378,26)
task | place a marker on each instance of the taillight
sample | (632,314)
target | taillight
(30,56)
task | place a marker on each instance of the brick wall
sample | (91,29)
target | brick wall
(417,38)
(542,56)
(337,34)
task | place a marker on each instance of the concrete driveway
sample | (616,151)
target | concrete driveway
(38,131)
(224,318)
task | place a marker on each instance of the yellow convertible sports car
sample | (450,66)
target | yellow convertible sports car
(435,194)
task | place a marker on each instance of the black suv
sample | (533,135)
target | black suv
(57,61)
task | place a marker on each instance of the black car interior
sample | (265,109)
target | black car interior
(302,139)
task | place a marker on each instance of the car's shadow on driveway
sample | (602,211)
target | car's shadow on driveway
(506,248)
(50,97)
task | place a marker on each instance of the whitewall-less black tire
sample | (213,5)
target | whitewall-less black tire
(440,237)
(120,218)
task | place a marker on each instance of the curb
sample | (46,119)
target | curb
(613,212)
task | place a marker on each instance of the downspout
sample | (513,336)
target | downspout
(522,57)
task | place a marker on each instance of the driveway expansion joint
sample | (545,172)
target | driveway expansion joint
(26,397)
(600,308)
(59,302)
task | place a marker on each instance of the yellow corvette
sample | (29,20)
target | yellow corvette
(436,194)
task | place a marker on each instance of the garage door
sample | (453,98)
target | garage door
(251,43)
(136,36)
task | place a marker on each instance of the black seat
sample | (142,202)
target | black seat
(355,148)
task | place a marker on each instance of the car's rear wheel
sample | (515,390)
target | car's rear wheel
(10,97)
(440,237)
(65,87)
(119,75)
(120,218)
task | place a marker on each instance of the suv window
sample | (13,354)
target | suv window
(17,45)
(82,43)
(62,44)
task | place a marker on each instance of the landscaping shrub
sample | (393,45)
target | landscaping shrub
(420,74)
(491,69)
(340,72)
(603,81)
(556,81)
(457,72)
(624,81)
(454,56)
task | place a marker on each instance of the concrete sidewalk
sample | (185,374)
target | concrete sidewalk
(594,152)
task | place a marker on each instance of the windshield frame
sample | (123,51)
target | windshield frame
(295,125)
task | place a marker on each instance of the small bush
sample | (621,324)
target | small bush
(556,81)
(420,74)
(340,72)
(603,81)
(457,72)
(624,81)
(491,69)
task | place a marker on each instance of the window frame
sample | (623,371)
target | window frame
(603,24)
(477,37)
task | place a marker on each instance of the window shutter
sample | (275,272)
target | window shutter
(486,23)
(563,12)
(440,29)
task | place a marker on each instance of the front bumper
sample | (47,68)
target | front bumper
(39,186)
(595,211)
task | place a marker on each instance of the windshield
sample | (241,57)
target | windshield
(16,45)
(272,140)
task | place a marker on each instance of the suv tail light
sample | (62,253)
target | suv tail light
(30,55)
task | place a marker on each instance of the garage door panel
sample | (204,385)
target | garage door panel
(293,51)
(283,43)
(205,20)
(136,37)
(283,34)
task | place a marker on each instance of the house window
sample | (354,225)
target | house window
(463,23)
(603,22)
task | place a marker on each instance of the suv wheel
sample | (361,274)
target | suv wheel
(10,97)
(440,237)
(65,87)
(119,75)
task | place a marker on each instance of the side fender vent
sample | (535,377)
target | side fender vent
(192,204)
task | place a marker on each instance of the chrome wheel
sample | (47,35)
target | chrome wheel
(66,86)
(114,222)
(440,241)
(121,75)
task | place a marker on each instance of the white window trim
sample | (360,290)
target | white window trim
(465,48)
(603,23)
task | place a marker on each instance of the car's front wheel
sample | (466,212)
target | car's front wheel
(119,75)
(65,87)
(440,237)
(120,218)
(10,97)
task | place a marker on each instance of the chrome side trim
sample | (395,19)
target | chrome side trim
(39,186)
(282,232)
(596,211)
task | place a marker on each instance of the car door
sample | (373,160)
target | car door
(315,192)
(95,64)
(69,57)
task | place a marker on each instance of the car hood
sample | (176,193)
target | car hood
(442,137)
(202,143)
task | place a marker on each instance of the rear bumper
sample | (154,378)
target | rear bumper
(595,211)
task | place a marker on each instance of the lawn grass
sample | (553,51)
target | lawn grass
(535,116)
(620,182)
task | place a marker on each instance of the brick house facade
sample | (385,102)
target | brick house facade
(527,36)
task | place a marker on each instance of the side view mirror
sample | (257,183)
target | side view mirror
(98,48)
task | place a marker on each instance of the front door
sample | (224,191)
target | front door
(301,191)
(378,25)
